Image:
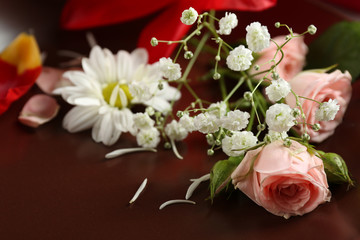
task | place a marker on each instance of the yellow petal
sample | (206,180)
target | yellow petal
(23,53)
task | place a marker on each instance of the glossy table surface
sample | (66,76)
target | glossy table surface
(57,185)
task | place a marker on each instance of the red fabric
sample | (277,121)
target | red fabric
(79,14)
(353,5)
(12,85)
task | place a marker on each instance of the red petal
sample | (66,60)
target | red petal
(78,14)
(38,110)
(168,26)
(12,85)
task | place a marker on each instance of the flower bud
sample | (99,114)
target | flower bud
(316,127)
(154,42)
(261,127)
(277,24)
(160,86)
(217,142)
(167,145)
(179,114)
(287,142)
(335,168)
(275,75)
(305,137)
(216,76)
(150,111)
(188,55)
(295,112)
(312,29)
(217,58)
(256,67)
(210,152)
(247,96)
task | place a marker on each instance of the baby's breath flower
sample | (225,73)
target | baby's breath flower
(227,23)
(187,122)
(278,89)
(189,16)
(217,109)
(279,117)
(206,123)
(143,121)
(148,138)
(239,59)
(257,37)
(176,131)
(238,141)
(327,110)
(169,69)
(235,120)
(277,135)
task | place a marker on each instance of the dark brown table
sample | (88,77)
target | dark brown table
(57,185)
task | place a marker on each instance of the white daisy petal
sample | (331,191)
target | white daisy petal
(139,56)
(80,118)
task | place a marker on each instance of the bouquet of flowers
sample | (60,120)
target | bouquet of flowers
(264,123)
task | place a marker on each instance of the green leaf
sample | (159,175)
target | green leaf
(335,168)
(337,45)
(221,174)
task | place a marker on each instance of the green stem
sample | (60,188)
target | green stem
(240,82)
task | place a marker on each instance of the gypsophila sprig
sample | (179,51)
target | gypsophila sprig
(239,59)
(257,37)
(327,110)
(169,69)
(227,24)
(238,143)
(279,117)
(189,16)
(278,89)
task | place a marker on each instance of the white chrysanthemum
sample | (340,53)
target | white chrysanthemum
(235,120)
(148,138)
(239,59)
(279,117)
(277,135)
(143,121)
(239,141)
(227,23)
(175,131)
(278,89)
(187,122)
(257,37)
(206,123)
(169,69)
(104,92)
(189,16)
(217,109)
(327,110)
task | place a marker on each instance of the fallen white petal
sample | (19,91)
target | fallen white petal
(175,201)
(140,189)
(173,146)
(120,152)
(195,184)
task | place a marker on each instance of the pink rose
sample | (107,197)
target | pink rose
(293,62)
(285,181)
(321,87)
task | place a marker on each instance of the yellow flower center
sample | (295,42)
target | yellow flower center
(117,95)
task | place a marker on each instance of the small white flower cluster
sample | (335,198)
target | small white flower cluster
(257,38)
(169,69)
(277,90)
(279,117)
(238,143)
(227,24)
(327,110)
(148,135)
(189,16)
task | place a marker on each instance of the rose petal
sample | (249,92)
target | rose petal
(51,78)
(38,110)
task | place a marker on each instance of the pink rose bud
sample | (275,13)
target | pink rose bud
(321,87)
(294,57)
(286,181)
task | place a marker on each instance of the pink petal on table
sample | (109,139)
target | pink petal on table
(51,78)
(38,110)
